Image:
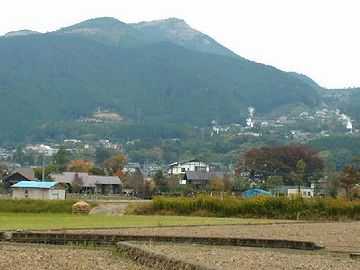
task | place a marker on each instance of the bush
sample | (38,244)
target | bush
(37,206)
(139,209)
(260,207)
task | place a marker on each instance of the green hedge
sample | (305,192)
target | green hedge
(260,207)
(37,206)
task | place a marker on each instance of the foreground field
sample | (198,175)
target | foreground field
(335,236)
(250,258)
(37,257)
(30,221)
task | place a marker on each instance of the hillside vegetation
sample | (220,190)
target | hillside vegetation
(68,74)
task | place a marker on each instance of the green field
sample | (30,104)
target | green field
(22,221)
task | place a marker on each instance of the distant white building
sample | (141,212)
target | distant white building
(43,149)
(306,192)
(181,167)
(290,191)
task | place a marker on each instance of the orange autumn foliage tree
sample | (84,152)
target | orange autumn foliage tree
(80,165)
(115,165)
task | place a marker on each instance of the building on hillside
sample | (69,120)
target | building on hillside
(200,179)
(131,167)
(19,174)
(38,190)
(91,183)
(47,150)
(193,165)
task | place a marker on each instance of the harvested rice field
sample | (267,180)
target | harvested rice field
(334,236)
(41,257)
(225,258)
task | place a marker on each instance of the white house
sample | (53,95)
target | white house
(193,165)
(306,192)
(38,190)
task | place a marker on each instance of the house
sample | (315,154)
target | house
(38,190)
(306,192)
(92,183)
(200,179)
(194,165)
(19,174)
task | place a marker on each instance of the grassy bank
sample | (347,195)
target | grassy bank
(37,206)
(30,221)
(260,207)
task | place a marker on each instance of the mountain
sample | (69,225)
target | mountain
(108,30)
(67,74)
(308,81)
(179,32)
(24,32)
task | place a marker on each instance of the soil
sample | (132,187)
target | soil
(338,238)
(334,236)
(40,257)
(226,258)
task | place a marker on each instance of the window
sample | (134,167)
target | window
(182,169)
(26,193)
(309,194)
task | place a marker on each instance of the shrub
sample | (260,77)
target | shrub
(260,207)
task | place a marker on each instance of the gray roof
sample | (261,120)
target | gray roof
(88,180)
(26,172)
(201,175)
(185,161)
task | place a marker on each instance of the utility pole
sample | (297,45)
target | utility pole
(43,167)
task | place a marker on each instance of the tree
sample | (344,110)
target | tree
(19,155)
(77,183)
(135,181)
(80,165)
(172,181)
(274,182)
(61,158)
(102,154)
(217,184)
(97,171)
(298,174)
(264,162)
(228,184)
(160,181)
(349,177)
(241,183)
(48,170)
(115,165)
(147,189)
(332,183)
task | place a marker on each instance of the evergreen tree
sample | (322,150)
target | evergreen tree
(61,159)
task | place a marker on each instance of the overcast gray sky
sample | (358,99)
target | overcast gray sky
(319,38)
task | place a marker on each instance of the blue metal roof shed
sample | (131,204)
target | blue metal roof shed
(255,192)
(34,184)
(38,190)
